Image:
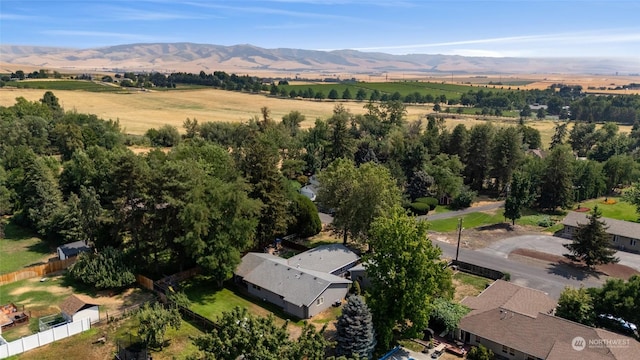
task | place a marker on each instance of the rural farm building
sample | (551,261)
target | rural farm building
(516,322)
(303,285)
(625,235)
(74,309)
(72,249)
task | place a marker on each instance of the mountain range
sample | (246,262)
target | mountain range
(190,57)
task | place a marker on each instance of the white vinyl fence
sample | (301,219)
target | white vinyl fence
(44,337)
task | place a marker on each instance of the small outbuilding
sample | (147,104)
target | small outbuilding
(72,249)
(74,309)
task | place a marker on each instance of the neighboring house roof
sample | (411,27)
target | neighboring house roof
(74,304)
(537,152)
(511,297)
(74,248)
(616,227)
(326,258)
(297,286)
(519,318)
(309,191)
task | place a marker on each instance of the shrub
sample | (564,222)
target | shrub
(419,208)
(546,222)
(431,201)
(464,199)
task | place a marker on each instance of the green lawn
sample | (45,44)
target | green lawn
(210,301)
(33,293)
(621,210)
(478,282)
(469,221)
(21,248)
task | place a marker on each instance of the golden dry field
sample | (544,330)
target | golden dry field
(139,111)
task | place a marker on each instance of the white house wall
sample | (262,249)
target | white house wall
(92,313)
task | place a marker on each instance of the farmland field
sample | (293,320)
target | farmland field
(141,110)
(84,85)
(451,91)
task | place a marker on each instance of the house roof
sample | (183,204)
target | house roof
(616,227)
(74,248)
(499,315)
(326,258)
(510,297)
(73,304)
(297,285)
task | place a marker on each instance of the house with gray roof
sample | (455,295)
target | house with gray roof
(303,285)
(625,235)
(72,249)
(516,322)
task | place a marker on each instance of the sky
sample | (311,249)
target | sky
(504,28)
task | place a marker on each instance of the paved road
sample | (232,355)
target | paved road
(457,213)
(550,245)
(325,218)
(550,279)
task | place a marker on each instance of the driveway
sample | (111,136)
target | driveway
(550,245)
(551,279)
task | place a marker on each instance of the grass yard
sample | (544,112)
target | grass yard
(21,248)
(621,210)
(469,221)
(468,285)
(82,347)
(210,302)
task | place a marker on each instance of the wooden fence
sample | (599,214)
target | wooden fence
(145,282)
(36,271)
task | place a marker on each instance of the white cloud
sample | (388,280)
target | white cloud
(521,45)
(104,34)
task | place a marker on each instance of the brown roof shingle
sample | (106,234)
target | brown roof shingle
(73,304)
(504,313)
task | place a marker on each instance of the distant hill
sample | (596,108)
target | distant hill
(189,57)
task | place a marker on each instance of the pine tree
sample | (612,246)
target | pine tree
(355,330)
(591,242)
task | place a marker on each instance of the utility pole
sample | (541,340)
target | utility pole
(459,235)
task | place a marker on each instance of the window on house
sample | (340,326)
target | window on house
(505,349)
(320,301)
(632,242)
(512,351)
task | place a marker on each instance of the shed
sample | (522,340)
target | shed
(72,249)
(74,309)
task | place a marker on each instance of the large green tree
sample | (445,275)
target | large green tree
(556,182)
(406,275)
(355,332)
(478,160)
(506,155)
(154,321)
(519,196)
(576,305)
(591,242)
(357,195)
(108,269)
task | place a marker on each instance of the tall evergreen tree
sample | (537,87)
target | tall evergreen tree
(556,182)
(479,155)
(355,332)
(591,242)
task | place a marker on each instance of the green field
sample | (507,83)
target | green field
(84,85)
(21,248)
(451,91)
